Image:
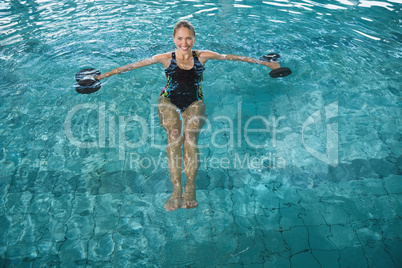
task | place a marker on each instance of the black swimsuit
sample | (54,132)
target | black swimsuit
(183,86)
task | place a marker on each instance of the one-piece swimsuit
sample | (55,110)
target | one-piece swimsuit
(183,86)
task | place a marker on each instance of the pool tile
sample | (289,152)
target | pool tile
(28,250)
(393,184)
(47,261)
(133,206)
(83,204)
(287,195)
(359,208)
(311,214)
(392,247)
(73,252)
(223,199)
(217,179)
(390,228)
(277,260)
(297,239)
(319,238)
(101,247)
(108,204)
(343,236)
(304,259)
(54,230)
(103,224)
(326,258)
(309,195)
(384,207)
(47,248)
(80,227)
(249,250)
(290,217)
(334,214)
(377,256)
(110,184)
(373,186)
(266,198)
(275,243)
(245,202)
(40,203)
(269,221)
(383,167)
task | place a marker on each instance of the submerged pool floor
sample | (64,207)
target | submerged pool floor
(101,220)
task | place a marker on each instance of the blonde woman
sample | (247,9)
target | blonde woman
(181,107)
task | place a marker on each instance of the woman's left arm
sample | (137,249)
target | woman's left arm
(210,55)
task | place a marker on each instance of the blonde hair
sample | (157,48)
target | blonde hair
(185,24)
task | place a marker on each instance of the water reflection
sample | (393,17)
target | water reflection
(22,21)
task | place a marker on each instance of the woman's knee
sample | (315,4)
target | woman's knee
(174,136)
(191,137)
(194,123)
(174,133)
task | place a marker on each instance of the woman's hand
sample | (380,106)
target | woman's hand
(271,64)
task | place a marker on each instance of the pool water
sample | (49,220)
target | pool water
(302,171)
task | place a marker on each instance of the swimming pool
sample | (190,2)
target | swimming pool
(302,171)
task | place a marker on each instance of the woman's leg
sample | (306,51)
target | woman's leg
(194,119)
(169,119)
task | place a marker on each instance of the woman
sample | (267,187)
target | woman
(181,108)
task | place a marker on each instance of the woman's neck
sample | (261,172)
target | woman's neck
(182,56)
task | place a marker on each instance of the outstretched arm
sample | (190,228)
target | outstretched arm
(127,68)
(161,58)
(209,55)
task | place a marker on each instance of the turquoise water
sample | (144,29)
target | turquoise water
(84,178)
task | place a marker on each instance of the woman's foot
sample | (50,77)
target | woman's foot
(189,200)
(175,200)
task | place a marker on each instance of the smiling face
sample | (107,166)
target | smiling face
(184,40)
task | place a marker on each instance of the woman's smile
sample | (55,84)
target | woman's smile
(184,40)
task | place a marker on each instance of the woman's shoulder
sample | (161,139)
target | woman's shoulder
(207,54)
(163,56)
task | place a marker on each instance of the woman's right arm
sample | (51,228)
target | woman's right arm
(161,58)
